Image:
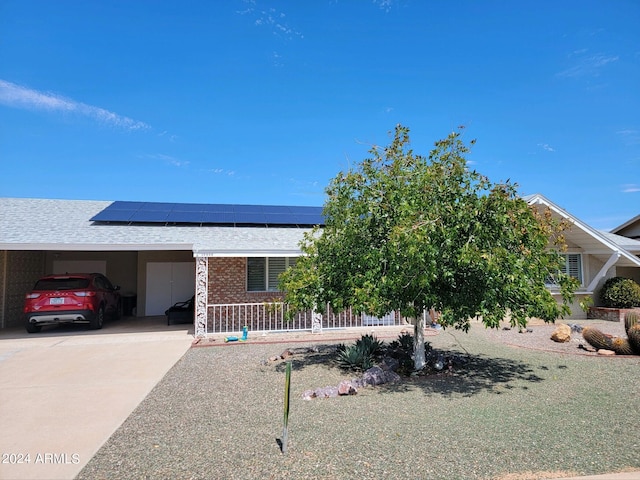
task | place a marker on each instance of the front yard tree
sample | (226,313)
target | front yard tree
(408,233)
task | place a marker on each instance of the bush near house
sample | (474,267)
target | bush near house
(620,292)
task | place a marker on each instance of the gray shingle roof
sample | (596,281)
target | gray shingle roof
(44,224)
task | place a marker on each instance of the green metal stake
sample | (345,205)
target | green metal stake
(287,388)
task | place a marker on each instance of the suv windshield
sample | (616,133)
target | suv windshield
(62,284)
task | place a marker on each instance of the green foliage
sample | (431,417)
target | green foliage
(402,350)
(370,344)
(620,292)
(409,233)
(403,343)
(361,355)
(353,357)
(586,303)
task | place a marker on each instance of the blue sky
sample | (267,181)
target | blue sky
(244,101)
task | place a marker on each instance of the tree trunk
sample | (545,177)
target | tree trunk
(419,360)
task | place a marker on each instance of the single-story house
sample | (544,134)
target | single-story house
(228,256)
(592,256)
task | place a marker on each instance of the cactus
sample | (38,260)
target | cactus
(621,346)
(634,338)
(597,339)
(631,319)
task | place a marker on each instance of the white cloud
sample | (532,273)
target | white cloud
(170,137)
(17,96)
(547,147)
(630,188)
(222,171)
(168,159)
(385,5)
(271,19)
(587,65)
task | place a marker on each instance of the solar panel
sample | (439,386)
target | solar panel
(150,216)
(209,214)
(185,217)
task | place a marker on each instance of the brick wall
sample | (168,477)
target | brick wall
(228,283)
(610,314)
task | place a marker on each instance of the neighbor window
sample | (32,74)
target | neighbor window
(263,272)
(572,266)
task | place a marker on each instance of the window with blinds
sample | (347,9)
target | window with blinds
(572,265)
(263,272)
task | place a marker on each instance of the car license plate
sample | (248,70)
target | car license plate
(56,301)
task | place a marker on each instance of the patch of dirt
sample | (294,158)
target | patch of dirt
(537,336)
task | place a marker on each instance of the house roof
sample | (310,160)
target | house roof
(588,240)
(629,244)
(64,225)
(633,224)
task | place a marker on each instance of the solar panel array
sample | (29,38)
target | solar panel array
(213,214)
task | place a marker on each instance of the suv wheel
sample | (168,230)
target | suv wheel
(98,320)
(32,327)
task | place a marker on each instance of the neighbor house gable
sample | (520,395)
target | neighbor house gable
(599,254)
(629,229)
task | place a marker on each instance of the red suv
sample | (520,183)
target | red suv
(71,298)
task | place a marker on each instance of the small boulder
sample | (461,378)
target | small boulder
(373,376)
(606,352)
(561,334)
(345,387)
(309,394)
(327,392)
(391,377)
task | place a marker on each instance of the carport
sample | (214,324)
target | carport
(157,253)
(153,268)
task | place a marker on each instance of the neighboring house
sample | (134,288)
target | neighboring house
(229,256)
(630,229)
(592,256)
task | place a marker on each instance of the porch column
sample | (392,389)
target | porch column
(603,271)
(202,295)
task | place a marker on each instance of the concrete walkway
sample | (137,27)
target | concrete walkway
(64,391)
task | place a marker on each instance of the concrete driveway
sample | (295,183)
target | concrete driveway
(64,391)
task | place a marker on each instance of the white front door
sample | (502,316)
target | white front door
(168,283)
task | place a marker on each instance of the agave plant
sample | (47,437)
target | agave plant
(355,357)
(370,345)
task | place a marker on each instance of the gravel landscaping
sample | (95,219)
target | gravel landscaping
(520,407)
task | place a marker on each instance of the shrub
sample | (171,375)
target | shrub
(402,350)
(353,357)
(620,292)
(361,355)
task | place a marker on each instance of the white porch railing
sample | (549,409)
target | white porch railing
(269,317)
